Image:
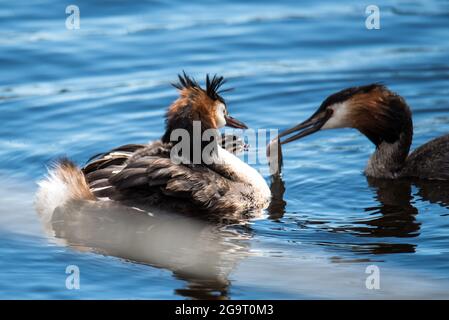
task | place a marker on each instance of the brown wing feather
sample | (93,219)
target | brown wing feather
(116,156)
(146,171)
(101,167)
(202,186)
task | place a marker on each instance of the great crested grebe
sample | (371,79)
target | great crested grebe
(146,173)
(384,118)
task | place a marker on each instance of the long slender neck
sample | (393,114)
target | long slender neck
(235,169)
(230,165)
(191,140)
(389,158)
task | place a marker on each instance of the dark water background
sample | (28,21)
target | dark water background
(80,92)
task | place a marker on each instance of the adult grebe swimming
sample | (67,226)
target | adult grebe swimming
(384,118)
(146,173)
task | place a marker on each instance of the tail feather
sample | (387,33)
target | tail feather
(64,182)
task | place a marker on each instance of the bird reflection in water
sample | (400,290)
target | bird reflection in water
(196,251)
(276,209)
(393,218)
(396,213)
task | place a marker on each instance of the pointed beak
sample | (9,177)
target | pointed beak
(311,125)
(234,123)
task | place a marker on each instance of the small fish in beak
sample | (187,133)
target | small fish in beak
(311,125)
(274,156)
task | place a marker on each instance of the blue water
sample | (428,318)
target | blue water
(80,92)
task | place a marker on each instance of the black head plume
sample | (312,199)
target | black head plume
(186,82)
(213,85)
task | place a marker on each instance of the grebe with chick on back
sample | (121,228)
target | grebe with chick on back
(386,120)
(146,173)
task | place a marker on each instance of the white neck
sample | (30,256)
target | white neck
(242,172)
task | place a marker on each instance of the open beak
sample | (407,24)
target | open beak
(234,123)
(311,125)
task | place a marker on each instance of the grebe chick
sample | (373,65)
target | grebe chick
(386,120)
(147,174)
